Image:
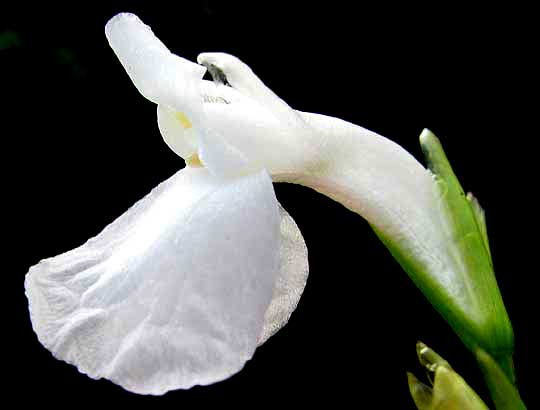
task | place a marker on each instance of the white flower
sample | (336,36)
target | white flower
(181,288)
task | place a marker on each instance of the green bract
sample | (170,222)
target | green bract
(465,293)
(503,392)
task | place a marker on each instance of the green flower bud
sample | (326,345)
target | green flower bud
(449,391)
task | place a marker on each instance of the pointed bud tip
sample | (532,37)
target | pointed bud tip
(412,379)
(428,358)
(421,394)
(426,135)
(430,144)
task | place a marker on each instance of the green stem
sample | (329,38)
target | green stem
(506,364)
(501,381)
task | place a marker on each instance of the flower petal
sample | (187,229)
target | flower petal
(255,121)
(160,76)
(170,295)
(292,277)
(218,129)
(240,76)
(174,83)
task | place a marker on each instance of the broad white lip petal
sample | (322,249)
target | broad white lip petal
(172,294)
(181,289)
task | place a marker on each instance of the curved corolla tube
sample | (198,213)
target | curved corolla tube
(362,170)
(178,290)
(375,178)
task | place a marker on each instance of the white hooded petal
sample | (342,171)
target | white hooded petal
(160,76)
(229,131)
(173,293)
(240,76)
(175,85)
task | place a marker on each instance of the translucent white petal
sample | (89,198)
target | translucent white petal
(173,293)
(291,279)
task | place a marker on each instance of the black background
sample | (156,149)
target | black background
(80,145)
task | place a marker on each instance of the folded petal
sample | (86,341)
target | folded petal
(174,83)
(172,294)
(250,122)
(240,76)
